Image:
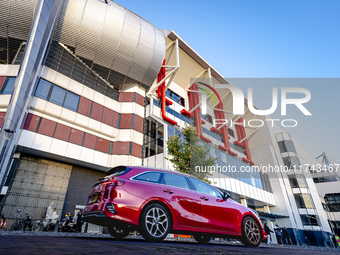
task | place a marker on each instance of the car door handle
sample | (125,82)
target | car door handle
(168,191)
(204,198)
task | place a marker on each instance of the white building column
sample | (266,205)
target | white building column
(270,225)
(244,202)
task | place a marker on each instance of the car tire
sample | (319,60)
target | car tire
(202,239)
(155,223)
(118,232)
(251,232)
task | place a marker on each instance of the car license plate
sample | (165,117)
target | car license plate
(93,199)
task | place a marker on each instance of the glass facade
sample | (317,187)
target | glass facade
(174,113)
(333,202)
(233,167)
(153,137)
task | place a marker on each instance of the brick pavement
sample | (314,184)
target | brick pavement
(24,244)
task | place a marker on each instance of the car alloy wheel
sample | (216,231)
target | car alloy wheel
(155,223)
(251,232)
(202,239)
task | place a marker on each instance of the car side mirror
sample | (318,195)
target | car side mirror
(226,195)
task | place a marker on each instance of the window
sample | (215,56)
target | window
(175,180)
(297,181)
(43,89)
(231,132)
(71,101)
(153,138)
(309,220)
(175,97)
(239,148)
(291,162)
(207,117)
(333,202)
(205,188)
(303,201)
(149,177)
(8,88)
(286,146)
(57,95)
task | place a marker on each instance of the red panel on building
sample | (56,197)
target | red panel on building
(138,124)
(136,150)
(76,136)
(139,99)
(2,81)
(90,141)
(115,119)
(62,132)
(2,117)
(126,96)
(47,127)
(107,116)
(121,148)
(84,106)
(31,122)
(97,111)
(103,145)
(126,121)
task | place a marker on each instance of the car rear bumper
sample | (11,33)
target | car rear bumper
(101,219)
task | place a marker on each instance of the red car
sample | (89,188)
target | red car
(157,202)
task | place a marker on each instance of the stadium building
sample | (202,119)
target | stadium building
(86,85)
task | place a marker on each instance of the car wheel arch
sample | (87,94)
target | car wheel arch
(253,217)
(167,208)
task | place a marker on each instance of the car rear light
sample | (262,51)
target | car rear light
(111,208)
(114,182)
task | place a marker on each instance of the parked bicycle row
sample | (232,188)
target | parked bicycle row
(48,223)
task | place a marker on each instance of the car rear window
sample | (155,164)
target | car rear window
(153,177)
(116,171)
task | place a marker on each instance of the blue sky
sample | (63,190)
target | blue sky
(266,39)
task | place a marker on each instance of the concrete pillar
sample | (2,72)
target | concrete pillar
(244,202)
(266,209)
(272,235)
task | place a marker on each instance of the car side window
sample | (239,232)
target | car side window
(205,188)
(176,181)
(148,177)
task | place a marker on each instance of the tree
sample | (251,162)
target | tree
(189,154)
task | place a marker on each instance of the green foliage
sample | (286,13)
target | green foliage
(188,152)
